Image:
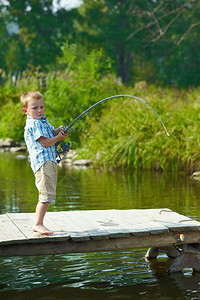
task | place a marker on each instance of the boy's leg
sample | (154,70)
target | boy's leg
(45,179)
(38,226)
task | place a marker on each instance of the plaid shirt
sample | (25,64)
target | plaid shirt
(34,129)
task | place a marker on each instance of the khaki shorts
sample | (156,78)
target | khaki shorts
(46,180)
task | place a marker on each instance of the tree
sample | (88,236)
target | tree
(107,24)
(4,37)
(173,47)
(41,31)
(129,30)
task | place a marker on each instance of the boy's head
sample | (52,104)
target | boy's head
(33,104)
(29,96)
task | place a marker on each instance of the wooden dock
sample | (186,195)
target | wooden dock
(96,230)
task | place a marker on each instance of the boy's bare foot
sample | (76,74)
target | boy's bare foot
(42,229)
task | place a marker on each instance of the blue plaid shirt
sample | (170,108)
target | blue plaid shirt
(34,129)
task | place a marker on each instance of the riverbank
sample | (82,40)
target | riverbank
(68,159)
(9,145)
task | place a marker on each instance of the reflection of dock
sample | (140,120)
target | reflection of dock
(96,230)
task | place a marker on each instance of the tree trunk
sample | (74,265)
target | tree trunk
(124,64)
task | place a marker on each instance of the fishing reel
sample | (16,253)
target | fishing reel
(64,148)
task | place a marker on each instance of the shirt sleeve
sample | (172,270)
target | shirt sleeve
(38,131)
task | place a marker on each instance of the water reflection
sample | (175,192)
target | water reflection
(100,276)
(95,189)
(108,275)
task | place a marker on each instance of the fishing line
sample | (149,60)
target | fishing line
(65,148)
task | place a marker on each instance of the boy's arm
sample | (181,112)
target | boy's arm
(47,142)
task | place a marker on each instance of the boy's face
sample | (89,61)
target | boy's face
(35,109)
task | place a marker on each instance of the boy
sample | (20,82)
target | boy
(41,138)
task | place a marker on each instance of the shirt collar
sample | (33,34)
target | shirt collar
(43,119)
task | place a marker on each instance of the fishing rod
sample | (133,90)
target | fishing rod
(65,148)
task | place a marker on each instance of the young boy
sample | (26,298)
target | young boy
(41,138)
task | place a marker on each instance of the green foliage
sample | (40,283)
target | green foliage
(121,132)
(128,133)
(38,34)
(156,41)
(14,57)
(81,83)
(11,121)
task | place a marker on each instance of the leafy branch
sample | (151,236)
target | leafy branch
(155,21)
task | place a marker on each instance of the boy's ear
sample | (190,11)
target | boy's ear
(24,110)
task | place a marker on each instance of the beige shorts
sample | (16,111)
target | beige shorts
(46,180)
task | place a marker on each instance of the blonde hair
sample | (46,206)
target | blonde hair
(28,96)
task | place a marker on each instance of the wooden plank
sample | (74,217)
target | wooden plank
(144,220)
(173,220)
(118,244)
(24,222)
(55,221)
(131,223)
(105,221)
(137,223)
(88,222)
(155,222)
(9,233)
(69,225)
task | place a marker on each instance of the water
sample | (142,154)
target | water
(106,275)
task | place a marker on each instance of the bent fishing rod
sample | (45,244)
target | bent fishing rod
(65,148)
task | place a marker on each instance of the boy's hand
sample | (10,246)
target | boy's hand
(62,135)
(64,128)
(61,128)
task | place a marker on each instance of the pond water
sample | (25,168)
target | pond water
(105,275)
